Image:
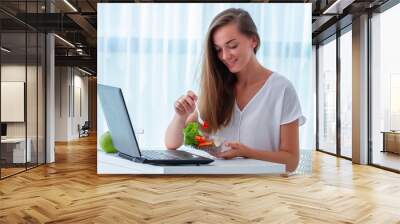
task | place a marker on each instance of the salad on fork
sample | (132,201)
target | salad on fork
(195,138)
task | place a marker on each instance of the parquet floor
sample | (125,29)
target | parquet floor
(10,171)
(70,191)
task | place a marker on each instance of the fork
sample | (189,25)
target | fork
(201,121)
(218,141)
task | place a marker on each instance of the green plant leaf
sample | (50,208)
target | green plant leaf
(189,133)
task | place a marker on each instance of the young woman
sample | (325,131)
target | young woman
(255,109)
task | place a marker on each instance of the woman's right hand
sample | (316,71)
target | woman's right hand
(186,104)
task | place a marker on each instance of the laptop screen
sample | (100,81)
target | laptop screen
(118,120)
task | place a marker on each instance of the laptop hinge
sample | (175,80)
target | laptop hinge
(135,159)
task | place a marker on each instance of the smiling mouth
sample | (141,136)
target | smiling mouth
(231,64)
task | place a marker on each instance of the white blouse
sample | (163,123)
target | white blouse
(258,124)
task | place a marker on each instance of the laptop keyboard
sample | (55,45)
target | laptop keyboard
(157,155)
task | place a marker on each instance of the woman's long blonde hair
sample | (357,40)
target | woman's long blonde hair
(217,95)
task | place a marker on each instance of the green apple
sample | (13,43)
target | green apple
(106,143)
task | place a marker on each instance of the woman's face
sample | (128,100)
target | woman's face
(234,49)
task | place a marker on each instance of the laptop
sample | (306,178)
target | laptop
(124,138)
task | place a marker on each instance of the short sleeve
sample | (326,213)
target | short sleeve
(291,109)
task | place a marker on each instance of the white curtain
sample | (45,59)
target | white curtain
(153,53)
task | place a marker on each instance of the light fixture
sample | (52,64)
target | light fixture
(70,5)
(79,51)
(64,40)
(337,7)
(84,71)
(5,50)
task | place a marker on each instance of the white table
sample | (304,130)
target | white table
(113,164)
(19,149)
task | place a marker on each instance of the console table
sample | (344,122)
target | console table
(13,150)
(391,141)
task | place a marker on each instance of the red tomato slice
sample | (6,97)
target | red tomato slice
(199,139)
(205,125)
(205,144)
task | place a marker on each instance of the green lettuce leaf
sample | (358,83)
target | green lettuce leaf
(189,133)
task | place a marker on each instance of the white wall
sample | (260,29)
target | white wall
(71,94)
(81,114)
(33,127)
(61,103)
(12,73)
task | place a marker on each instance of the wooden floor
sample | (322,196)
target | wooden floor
(5,172)
(70,191)
(386,159)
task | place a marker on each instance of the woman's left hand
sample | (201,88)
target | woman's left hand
(237,150)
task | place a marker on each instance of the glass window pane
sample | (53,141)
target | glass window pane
(14,153)
(386,89)
(32,86)
(41,98)
(346,94)
(31,97)
(23,88)
(327,97)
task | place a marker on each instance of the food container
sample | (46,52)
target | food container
(218,145)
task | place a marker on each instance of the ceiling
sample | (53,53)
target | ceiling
(76,22)
(329,16)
